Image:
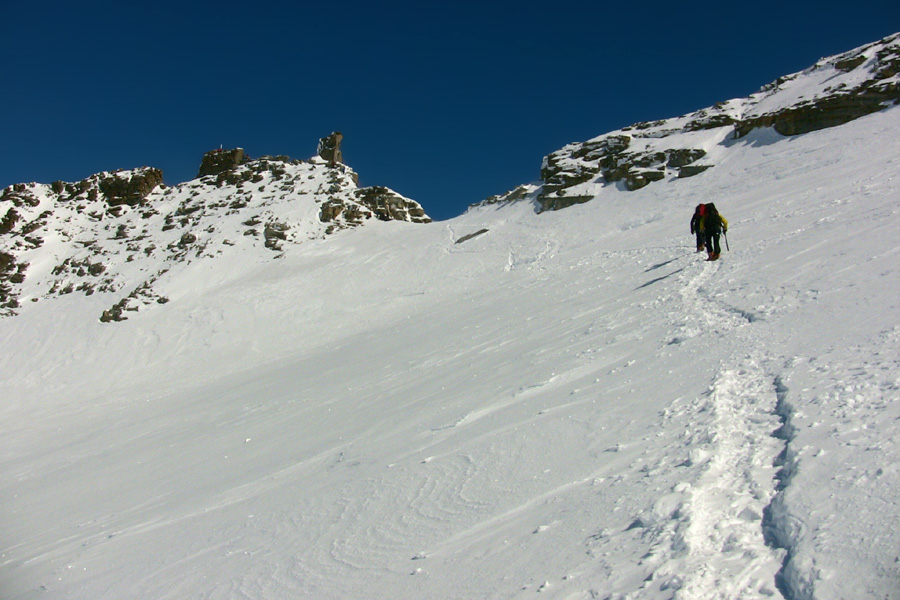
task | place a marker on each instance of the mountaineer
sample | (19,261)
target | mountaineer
(697,226)
(714,224)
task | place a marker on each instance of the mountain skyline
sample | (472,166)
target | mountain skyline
(120,233)
(431,101)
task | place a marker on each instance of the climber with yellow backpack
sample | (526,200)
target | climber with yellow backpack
(713,224)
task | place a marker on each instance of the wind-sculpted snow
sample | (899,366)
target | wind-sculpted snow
(568,405)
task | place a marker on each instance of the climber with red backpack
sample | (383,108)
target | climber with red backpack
(697,226)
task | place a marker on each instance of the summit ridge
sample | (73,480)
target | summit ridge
(117,233)
(834,91)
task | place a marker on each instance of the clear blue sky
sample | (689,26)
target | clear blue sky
(445,102)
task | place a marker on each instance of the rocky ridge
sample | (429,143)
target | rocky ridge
(117,233)
(832,92)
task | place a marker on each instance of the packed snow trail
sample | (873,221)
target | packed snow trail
(707,533)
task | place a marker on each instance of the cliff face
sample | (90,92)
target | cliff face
(832,92)
(116,234)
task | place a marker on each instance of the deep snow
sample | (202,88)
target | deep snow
(573,404)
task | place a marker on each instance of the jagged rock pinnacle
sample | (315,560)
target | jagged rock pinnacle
(330,148)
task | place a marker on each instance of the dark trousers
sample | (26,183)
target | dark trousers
(701,239)
(712,243)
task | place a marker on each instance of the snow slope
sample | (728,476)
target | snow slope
(572,404)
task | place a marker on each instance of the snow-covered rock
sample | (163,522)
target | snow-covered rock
(117,233)
(832,92)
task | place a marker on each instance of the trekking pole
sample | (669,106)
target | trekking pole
(725,235)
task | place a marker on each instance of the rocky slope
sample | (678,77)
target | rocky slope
(117,233)
(833,91)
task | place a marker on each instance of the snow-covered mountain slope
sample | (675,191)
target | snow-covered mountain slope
(571,403)
(832,92)
(116,234)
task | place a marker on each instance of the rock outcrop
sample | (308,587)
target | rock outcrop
(330,148)
(609,160)
(219,161)
(865,81)
(376,202)
(11,273)
(130,187)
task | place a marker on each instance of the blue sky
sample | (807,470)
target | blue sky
(445,102)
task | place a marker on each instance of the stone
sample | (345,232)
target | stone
(9,221)
(850,63)
(681,157)
(330,148)
(218,161)
(559,202)
(388,205)
(274,234)
(331,210)
(638,179)
(187,239)
(364,203)
(691,170)
(514,195)
(10,273)
(122,188)
(710,122)
(470,236)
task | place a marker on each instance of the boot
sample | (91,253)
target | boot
(710,256)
